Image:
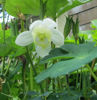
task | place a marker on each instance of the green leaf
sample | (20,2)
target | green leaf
(15,49)
(61,6)
(5,49)
(18,51)
(37,98)
(94,23)
(2,35)
(16,7)
(94,97)
(30,93)
(71,4)
(57,53)
(3,97)
(68,26)
(81,55)
(53,6)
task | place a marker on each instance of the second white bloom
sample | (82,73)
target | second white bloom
(42,33)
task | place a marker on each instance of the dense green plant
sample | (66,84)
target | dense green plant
(68,72)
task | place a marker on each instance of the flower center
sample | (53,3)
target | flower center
(42,36)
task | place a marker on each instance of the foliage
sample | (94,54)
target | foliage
(68,72)
(52,7)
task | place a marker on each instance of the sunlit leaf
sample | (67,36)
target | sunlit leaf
(82,54)
(5,49)
(94,23)
(61,6)
(18,7)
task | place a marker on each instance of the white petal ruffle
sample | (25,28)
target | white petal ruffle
(24,39)
(57,38)
(43,51)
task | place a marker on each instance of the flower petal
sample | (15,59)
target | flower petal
(57,37)
(43,51)
(49,22)
(34,24)
(24,39)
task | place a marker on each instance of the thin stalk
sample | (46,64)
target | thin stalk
(24,98)
(34,70)
(92,73)
(47,80)
(59,83)
(22,25)
(24,63)
(53,85)
(77,79)
(7,70)
(93,63)
(41,9)
(67,85)
(80,80)
(84,85)
(24,78)
(3,64)
(3,31)
(4,21)
(31,79)
(6,95)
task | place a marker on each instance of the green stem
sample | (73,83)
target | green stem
(3,31)
(80,79)
(53,85)
(7,70)
(3,64)
(59,83)
(31,78)
(34,70)
(77,80)
(47,80)
(6,95)
(67,85)
(4,21)
(41,9)
(24,78)
(22,25)
(92,73)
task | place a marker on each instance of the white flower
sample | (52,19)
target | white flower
(42,33)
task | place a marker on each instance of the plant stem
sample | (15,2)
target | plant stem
(53,85)
(7,70)
(4,20)
(34,70)
(47,80)
(67,85)
(3,31)
(24,77)
(3,64)
(80,81)
(6,95)
(92,73)
(93,64)
(77,79)
(41,9)
(22,25)
(31,79)
(59,83)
